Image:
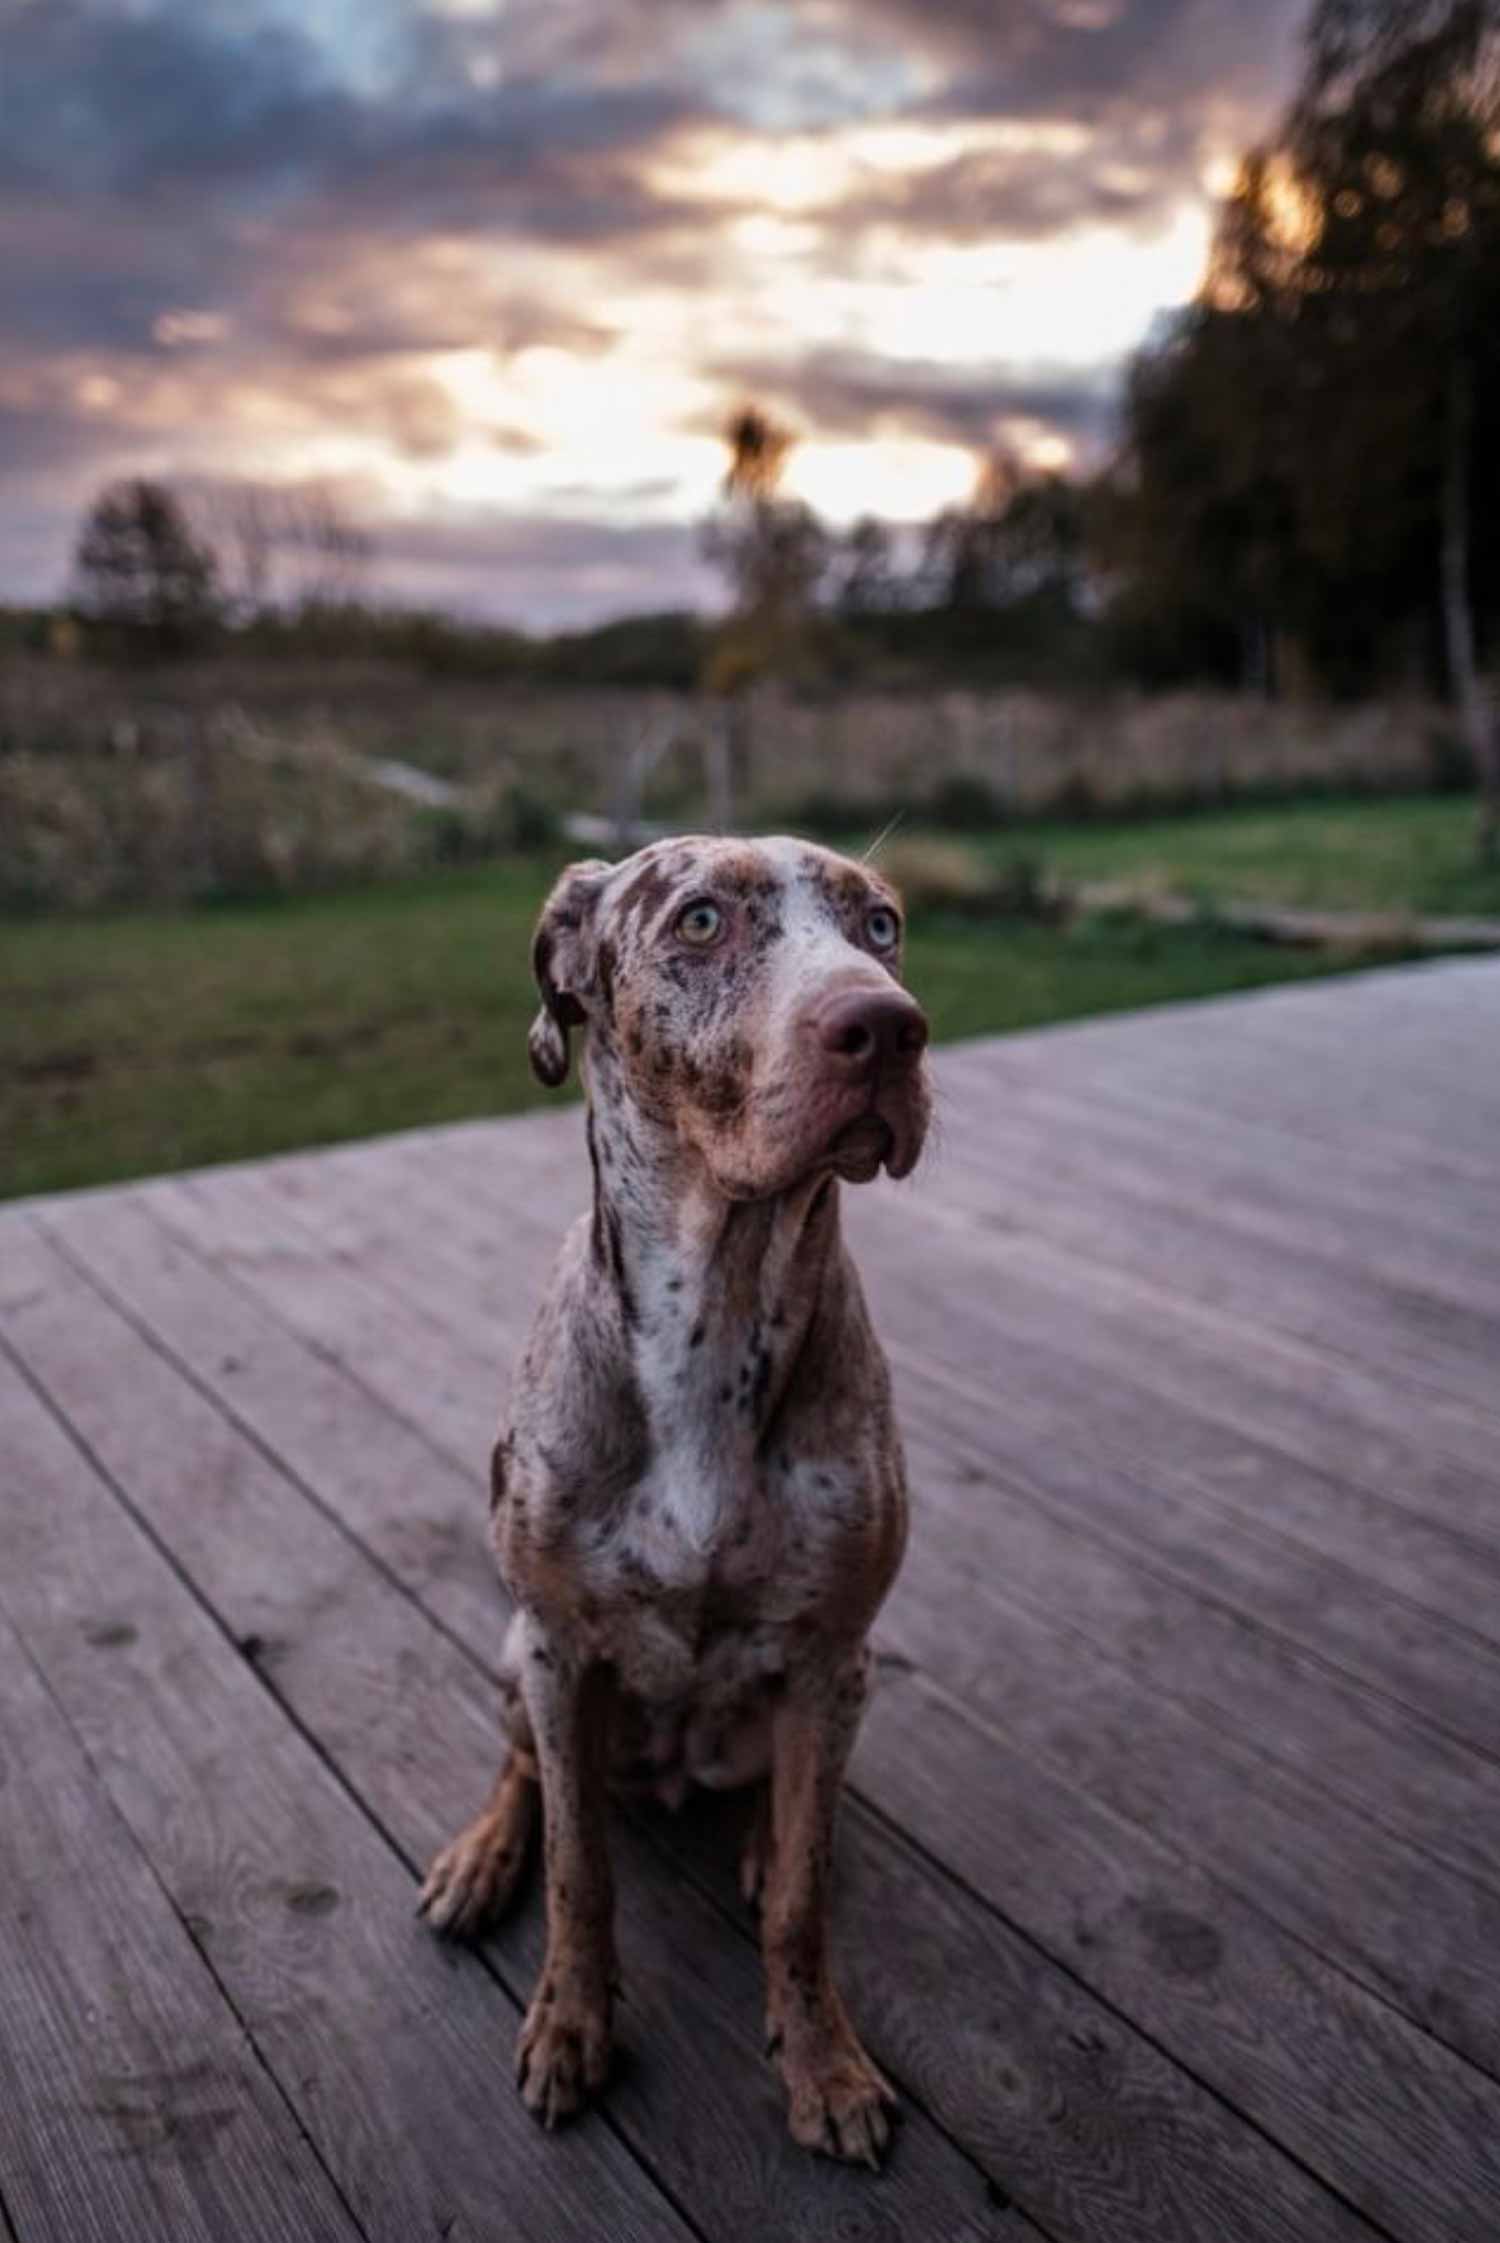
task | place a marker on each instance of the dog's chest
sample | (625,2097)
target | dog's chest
(689,1610)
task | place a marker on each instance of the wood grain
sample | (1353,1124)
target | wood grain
(134,2102)
(394,2061)
(411,1725)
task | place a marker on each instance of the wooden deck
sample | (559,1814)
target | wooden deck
(1171,1874)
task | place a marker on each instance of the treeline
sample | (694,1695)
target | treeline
(1303,496)
(994,591)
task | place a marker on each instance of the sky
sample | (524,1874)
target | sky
(497,271)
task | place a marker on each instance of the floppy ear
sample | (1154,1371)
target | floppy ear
(562,959)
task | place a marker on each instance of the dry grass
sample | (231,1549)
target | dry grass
(118,786)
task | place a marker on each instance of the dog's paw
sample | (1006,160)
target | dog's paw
(562,2056)
(839,2104)
(472,1881)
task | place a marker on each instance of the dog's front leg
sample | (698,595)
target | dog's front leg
(564,2048)
(838,2101)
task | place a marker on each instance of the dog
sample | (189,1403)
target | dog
(699,1503)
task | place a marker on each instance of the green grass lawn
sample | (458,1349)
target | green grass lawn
(1413,855)
(140,1043)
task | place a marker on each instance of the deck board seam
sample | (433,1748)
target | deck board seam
(247,2033)
(974,1720)
(983,1727)
(1117,1546)
(897,1834)
(376,1285)
(458,1642)
(211,1611)
(1280,1336)
(487,1673)
(372,1282)
(918,1364)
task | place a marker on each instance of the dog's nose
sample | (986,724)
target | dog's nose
(869,1027)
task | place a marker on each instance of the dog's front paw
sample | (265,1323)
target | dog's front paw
(562,2056)
(839,2104)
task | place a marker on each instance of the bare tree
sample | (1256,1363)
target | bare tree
(139,571)
(280,548)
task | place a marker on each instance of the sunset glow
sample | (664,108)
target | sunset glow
(502,267)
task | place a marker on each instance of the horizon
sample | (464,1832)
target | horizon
(499,270)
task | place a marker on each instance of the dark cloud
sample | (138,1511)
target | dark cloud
(1026,193)
(221,212)
(153,107)
(849,393)
(1081,57)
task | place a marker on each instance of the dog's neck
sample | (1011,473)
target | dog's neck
(717,1296)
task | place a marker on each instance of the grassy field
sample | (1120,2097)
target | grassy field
(140,1043)
(1408,855)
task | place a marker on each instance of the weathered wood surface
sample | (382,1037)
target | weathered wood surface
(1171,1888)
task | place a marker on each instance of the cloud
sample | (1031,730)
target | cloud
(848,393)
(522,252)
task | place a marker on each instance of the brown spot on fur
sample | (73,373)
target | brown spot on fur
(646,892)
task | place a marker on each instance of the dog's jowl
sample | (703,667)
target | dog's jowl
(698,1502)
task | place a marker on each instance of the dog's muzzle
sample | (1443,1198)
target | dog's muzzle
(870,1045)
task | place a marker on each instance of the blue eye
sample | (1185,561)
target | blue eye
(883,928)
(700,923)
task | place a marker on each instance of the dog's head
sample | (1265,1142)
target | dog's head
(745,995)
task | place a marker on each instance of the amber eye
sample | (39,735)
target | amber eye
(883,928)
(700,923)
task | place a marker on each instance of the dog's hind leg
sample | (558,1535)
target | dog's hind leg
(474,1879)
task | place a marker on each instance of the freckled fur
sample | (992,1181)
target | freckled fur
(699,1502)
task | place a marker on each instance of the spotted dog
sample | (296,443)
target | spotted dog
(699,1503)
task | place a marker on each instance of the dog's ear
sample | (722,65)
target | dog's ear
(562,959)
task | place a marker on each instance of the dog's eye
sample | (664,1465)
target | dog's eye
(883,928)
(700,924)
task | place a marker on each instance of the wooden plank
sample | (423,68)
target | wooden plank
(976,1303)
(1028,1166)
(1390,1645)
(1442,1672)
(1398,1905)
(384,1692)
(1355,1169)
(1354,2023)
(1321,1093)
(413,1726)
(1420,1337)
(135,2106)
(1331,1877)
(1254,2013)
(394,2060)
(1379,1217)
(1352,1417)
(1401,1772)
(468,1271)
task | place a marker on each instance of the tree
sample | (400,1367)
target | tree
(1324,419)
(868,582)
(284,549)
(140,572)
(1396,132)
(775,553)
(773,549)
(1007,568)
